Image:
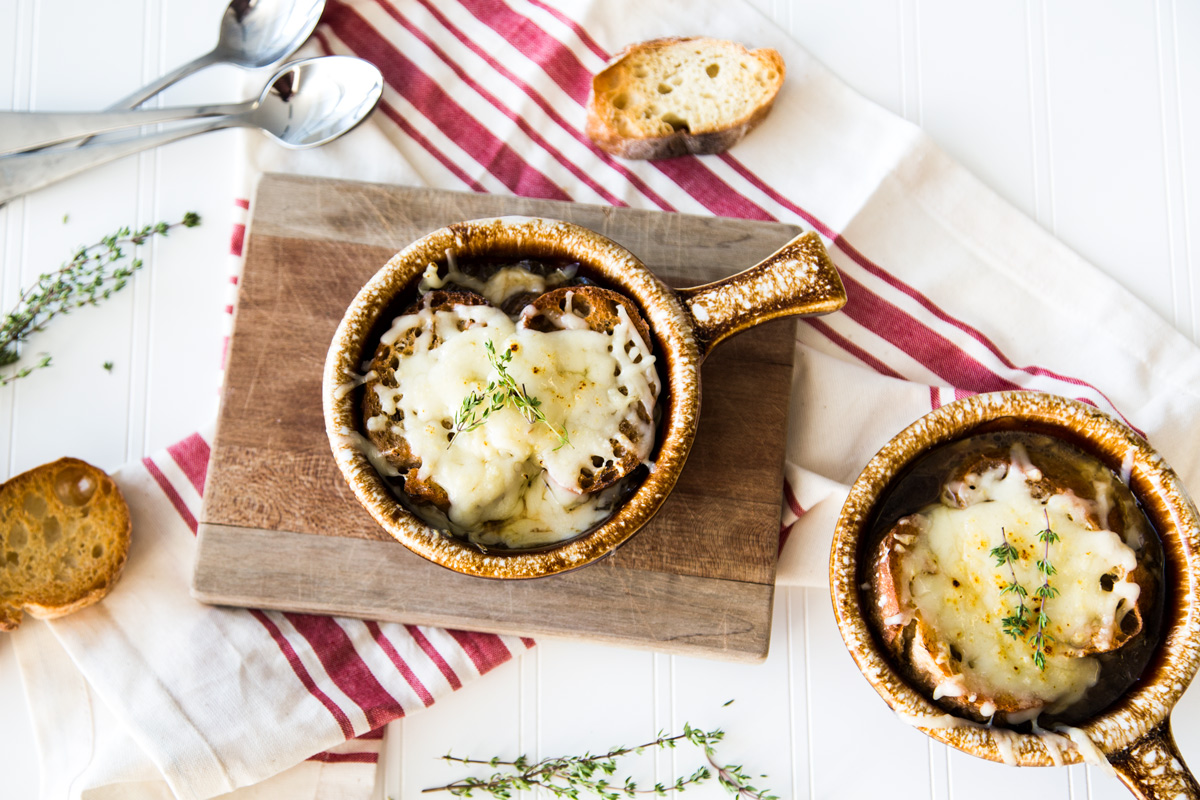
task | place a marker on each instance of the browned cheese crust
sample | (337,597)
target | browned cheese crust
(598,308)
(391,444)
(929,661)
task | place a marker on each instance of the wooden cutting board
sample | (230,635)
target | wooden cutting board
(280,528)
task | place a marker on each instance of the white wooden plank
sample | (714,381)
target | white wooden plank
(849,723)
(757,723)
(1106,123)
(796,608)
(17,747)
(974,91)
(857,39)
(480,720)
(1181,24)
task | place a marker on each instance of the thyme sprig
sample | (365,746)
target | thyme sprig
(1044,593)
(568,776)
(478,406)
(92,275)
(1016,623)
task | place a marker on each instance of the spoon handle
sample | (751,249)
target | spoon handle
(26,130)
(24,173)
(136,98)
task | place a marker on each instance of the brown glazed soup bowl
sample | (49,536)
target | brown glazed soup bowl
(1133,733)
(685,324)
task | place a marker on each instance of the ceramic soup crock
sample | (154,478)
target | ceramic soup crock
(1133,733)
(685,325)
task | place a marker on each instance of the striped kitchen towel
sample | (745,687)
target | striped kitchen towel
(151,691)
(951,290)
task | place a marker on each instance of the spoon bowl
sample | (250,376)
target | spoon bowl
(312,102)
(255,34)
(305,104)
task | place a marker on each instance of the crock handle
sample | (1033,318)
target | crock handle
(1153,769)
(798,280)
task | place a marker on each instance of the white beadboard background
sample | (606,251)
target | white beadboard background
(1085,114)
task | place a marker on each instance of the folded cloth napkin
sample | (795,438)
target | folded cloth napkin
(952,292)
(151,693)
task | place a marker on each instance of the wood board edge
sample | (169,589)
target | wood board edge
(710,618)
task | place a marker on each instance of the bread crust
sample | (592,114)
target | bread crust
(50,569)
(391,444)
(598,308)
(601,113)
(927,660)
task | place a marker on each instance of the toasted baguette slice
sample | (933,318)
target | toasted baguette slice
(391,444)
(670,97)
(597,308)
(64,538)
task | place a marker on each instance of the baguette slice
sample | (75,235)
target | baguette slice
(671,97)
(562,309)
(64,538)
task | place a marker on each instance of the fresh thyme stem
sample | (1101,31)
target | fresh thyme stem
(91,276)
(478,406)
(567,776)
(1044,593)
(1016,624)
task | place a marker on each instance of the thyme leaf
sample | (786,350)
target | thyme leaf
(91,276)
(568,776)
(477,406)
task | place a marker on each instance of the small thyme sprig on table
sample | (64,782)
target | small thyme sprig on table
(1017,623)
(478,406)
(1044,593)
(567,776)
(91,276)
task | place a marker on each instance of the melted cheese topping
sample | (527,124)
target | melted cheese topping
(511,481)
(950,578)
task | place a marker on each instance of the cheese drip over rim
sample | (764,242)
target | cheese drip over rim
(951,580)
(510,481)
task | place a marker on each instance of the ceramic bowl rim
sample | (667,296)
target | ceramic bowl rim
(670,324)
(1139,710)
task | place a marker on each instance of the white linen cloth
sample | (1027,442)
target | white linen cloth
(952,292)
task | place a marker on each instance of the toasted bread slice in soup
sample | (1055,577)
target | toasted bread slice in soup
(64,538)
(904,565)
(597,309)
(671,97)
(389,440)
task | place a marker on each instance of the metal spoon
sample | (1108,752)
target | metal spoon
(306,104)
(254,34)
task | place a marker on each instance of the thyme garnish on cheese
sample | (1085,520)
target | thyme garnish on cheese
(478,406)
(568,776)
(1017,624)
(92,275)
(1043,593)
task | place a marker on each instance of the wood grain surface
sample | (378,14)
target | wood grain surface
(698,579)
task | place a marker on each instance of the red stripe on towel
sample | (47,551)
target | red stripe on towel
(346,667)
(822,327)
(583,35)
(191,454)
(301,671)
(546,106)
(169,491)
(345,758)
(237,239)
(242,202)
(375,734)
(435,656)
(407,79)
(395,116)
(486,650)
(402,666)
(516,119)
